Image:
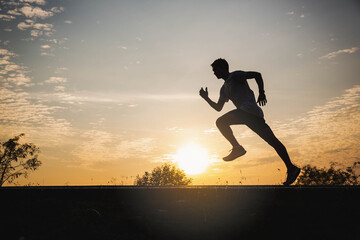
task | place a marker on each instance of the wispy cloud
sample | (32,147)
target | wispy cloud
(56,80)
(15,12)
(47,54)
(19,112)
(36,12)
(104,146)
(37,29)
(32,10)
(20,79)
(61,70)
(57,9)
(43,26)
(5,17)
(59,88)
(11,72)
(165,97)
(330,132)
(40,2)
(4,60)
(175,129)
(6,52)
(25,25)
(211,130)
(82,97)
(123,47)
(336,53)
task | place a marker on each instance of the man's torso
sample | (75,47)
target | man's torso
(236,89)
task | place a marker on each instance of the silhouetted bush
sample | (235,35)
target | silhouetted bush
(17,159)
(311,175)
(165,175)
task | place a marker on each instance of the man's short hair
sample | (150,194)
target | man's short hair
(220,63)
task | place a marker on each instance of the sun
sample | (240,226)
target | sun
(192,158)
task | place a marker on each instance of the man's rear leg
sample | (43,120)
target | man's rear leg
(267,134)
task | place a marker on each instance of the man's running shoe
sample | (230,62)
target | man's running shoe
(235,153)
(292,175)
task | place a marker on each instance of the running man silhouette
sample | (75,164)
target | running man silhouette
(236,89)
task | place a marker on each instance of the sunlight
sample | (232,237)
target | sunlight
(192,158)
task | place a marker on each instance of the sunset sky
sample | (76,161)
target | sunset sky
(110,89)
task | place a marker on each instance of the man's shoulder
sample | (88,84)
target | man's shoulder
(238,74)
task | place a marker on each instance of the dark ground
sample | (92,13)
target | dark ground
(206,212)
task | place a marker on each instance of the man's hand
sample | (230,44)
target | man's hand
(204,93)
(262,99)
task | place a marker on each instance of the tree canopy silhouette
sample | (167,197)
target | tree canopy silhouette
(17,159)
(165,175)
(311,175)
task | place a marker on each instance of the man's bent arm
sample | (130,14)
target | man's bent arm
(217,106)
(258,79)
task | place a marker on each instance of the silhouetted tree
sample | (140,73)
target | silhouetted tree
(17,159)
(165,175)
(311,175)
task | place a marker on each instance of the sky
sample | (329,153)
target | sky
(110,89)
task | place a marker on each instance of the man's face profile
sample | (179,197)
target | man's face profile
(218,72)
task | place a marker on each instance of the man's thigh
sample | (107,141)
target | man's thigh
(260,127)
(255,123)
(233,117)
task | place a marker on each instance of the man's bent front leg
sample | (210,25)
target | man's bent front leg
(223,124)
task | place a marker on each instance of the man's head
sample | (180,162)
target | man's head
(221,68)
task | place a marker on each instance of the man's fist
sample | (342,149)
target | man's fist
(204,93)
(262,99)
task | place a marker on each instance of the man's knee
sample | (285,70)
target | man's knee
(220,122)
